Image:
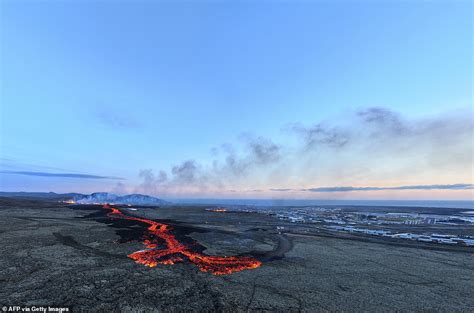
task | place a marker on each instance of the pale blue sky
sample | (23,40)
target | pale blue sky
(111,88)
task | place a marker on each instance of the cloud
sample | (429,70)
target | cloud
(414,187)
(319,135)
(190,175)
(370,144)
(63,175)
(17,165)
(382,117)
(281,189)
(119,188)
(150,182)
(182,176)
(186,172)
(259,152)
(264,150)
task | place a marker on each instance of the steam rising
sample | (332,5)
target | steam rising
(369,145)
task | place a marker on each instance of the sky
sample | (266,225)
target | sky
(238,99)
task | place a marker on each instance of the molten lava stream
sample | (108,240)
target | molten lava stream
(176,251)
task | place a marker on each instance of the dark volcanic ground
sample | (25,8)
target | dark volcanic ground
(51,254)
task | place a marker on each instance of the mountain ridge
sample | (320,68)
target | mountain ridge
(96,197)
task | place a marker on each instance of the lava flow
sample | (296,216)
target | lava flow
(176,251)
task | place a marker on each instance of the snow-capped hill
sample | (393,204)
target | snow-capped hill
(134,199)
(98,197)
(140,199)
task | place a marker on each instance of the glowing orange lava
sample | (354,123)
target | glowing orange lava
(218,210)
(176,251)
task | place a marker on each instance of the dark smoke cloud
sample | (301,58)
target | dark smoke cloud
(64,175)
(150,183)
(119,188)
(382,117)
(380,122)
(187,172)
(373,143)
(259,152)
(320,135)
(264,150)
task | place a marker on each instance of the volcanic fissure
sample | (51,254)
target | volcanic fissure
(176,251)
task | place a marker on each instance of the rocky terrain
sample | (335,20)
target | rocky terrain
(74,256)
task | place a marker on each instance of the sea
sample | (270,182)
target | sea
(464,204)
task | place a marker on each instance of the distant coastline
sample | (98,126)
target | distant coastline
(461,204)
(458,204)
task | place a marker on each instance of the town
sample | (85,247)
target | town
(448,228)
